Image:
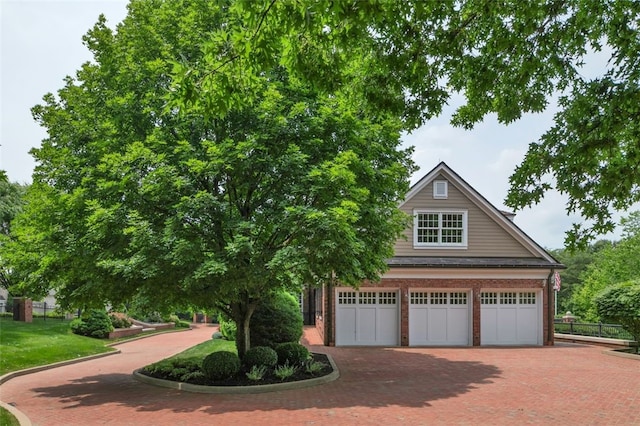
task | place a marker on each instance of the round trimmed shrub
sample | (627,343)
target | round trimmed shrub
(260,356)
(276,320)
(292,353)
(94,324)
(220,365)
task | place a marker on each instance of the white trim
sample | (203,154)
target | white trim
(470,273)
(440,245)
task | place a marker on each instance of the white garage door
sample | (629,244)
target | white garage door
(367,318)
(439,318)
(510,318)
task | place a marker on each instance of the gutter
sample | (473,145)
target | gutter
(550,309)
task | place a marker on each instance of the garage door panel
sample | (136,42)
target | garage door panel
(347,330)
(507,321)
(418,321)
(458,330)
(387,326)
(437,326)
(489,325)
(510,317)
(367,317)
(439,318)
(366,331)
(527,324)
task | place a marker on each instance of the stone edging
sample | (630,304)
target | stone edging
(240,389)
(13,374)
(621,354)
(592,339)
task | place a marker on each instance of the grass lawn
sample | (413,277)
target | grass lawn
(7,419)
(24,345)
(205,348)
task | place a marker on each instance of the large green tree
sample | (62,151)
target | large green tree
(507,57)
(131,198)
(576,263)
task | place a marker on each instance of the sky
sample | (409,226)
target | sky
(41,43)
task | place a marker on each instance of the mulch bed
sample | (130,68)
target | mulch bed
(241,378)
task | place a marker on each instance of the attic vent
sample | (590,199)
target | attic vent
(440,189)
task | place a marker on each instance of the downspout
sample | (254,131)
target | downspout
(550,309)
(331,308)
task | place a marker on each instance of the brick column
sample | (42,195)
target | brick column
(25,309)
(475,307)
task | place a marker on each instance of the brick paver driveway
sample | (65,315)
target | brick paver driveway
(565,385)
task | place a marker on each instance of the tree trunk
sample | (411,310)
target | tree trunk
(242,313)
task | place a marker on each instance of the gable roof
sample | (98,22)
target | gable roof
(498,216)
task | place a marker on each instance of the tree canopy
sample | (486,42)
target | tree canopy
(131,198)
(577,263)
(507,58)
(615,263)
(11,202)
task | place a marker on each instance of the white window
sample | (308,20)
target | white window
(440,229)
(440,189)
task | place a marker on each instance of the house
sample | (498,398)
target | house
(465,275)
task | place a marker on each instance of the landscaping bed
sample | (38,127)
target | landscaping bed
(241,378)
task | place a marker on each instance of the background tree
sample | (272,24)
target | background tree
(577,263)
(614,264)
(620,304)
(507,58)
(11,202)
(130,198)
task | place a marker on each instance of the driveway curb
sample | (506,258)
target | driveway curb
(13,374)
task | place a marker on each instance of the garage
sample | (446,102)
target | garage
(367,317)
(439,318)
(510,317)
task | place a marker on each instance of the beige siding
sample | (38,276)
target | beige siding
(485,237)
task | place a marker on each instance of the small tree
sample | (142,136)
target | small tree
(621,304)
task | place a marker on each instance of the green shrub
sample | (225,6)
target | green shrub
(94,324)
(227,328)
(313,367)
(276,320)
(177,369)
(257,372)
(292,353)
(119,320)
(179,323)
(284,371)
(182,324)
(260,356)
(221,365)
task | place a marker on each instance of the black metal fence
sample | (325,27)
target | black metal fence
(40,310)
(611,331)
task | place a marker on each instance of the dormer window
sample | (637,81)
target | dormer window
(440,189)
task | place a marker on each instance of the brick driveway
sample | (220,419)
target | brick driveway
(566,384)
